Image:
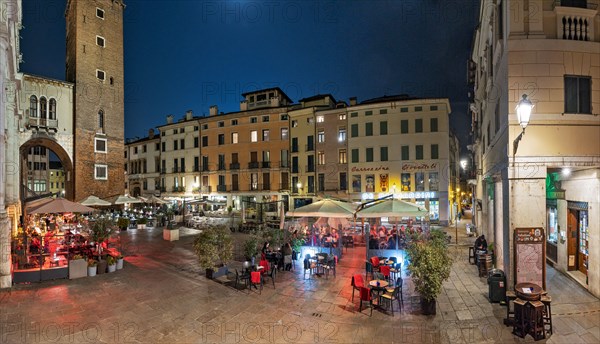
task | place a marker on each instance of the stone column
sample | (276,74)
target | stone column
(5,262)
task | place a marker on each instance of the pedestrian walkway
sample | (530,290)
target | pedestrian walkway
(162,296)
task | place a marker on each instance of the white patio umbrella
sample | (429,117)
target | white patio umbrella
(93,201)
(324,208)
(393,208)
(123,199)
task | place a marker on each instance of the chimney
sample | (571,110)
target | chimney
(169,119)
(189,114)
(352,101)
(151,133)
(214,110)
(244,105)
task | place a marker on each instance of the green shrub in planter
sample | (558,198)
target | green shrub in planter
(141,221)
(214,247)
(251,248)
(123,223)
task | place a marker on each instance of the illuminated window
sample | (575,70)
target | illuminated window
(320,119)
(254,136)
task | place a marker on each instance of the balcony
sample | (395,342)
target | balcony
(222,188)
(205,168)
(294,148)
(260,186)
(42,123)
(310,168)
(196,168)
(284,164)
(221,167)
(163,170)
(265,164)
(235,187)
(206,189)
(234,166)
(284,186)
(575,22)
(253,164)
(178,189)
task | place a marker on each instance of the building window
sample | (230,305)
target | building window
(578,94)
(433,181)
(101,172)
(405,182)
(383,128)
(320,119)
(354,130)
(342,156)
(52,109)
(33,106)
(182,144)
(418,108)
(404,126)
(433,108)
(253,119)
(175,145)
(435,152)
(404,109)
(321,182)
(100,13)
(368,113)
(196,142)
(204,126)
(294,123)
(101,121)
(265,135)
(234,122)
(164,146)
(420,181)
(418,125)
(343,181)
(294,145)
(100,145)
(355,155)
(100,41)
(100,74)
(221,124)
(285,133)
(221,139)
(353,114)
(204,141)
(405,153)
(234,138)
(283,117)
(144,149)
(321,158)
(342,134)
(254,136)
(369,129)
(265,118)
(356,183)
(157,146)
(383,153)
(383,111)
(43,107)
(369,154)
(321,136)
(433,125)
(419,152)
(342,117)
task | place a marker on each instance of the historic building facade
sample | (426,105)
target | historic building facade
(550,177)
(142,166)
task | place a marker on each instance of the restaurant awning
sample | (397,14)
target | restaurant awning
(61,205)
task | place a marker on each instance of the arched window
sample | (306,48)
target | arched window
(43,107)
(33,104)
(101,120)
(52,112)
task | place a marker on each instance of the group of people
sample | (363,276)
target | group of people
(286,255)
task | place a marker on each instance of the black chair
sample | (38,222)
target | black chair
(391,297)
(399,284)
(243,277)
(271,273)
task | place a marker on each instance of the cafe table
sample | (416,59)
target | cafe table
(378,287)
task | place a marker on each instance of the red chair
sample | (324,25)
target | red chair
(256,279)
(385,270)
(365,295)
(357,283)
(375,262)
(265,265)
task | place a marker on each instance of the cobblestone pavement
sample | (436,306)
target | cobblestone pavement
(161,296)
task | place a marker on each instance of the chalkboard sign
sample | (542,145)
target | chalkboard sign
(530,256)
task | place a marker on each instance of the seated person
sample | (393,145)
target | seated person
(481,244)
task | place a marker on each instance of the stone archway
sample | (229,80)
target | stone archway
(61,153)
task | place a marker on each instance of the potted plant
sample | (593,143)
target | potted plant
(214,248)
(141,223)
(119,262)
(92,267)
(112,264)
(429,266)
(77,267)
(123,223)
(101,229)
(251,249)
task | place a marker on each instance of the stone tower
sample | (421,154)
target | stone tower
(94,63)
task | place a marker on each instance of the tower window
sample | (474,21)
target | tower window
(100,41)
(100,13)
(100,74)
(101,121)
(112,80)
(101,172)
(43,107)
(52,113)
(33,106)
(100,145)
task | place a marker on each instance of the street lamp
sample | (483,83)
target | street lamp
(299,186)
(523,109)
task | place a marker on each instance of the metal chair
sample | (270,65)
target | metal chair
(357,283)
(390,297)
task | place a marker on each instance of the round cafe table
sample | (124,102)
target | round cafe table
(378,289)
(528,291)
(382,283)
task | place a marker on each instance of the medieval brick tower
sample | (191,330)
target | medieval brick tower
(94,63)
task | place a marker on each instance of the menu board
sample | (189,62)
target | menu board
(530,256)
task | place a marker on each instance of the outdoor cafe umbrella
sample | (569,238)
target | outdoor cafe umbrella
(156,200)
(393,208)
(61,205)
(123,199)
(324,208)
(93,201)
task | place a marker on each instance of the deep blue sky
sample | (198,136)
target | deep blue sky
(190,54)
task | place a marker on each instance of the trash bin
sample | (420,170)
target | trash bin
(497,286)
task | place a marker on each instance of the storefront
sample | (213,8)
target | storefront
(552,230)
(577,236)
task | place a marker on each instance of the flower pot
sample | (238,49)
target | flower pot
(92,270)
(77,268)
(171,234)
(428,307)
(142,226)
(102,267)
(119,263)
(112,268)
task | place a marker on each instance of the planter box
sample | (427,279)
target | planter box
(77,268)
(212,274)
(142,226)
(119,264)
(92,270)
(171,234)
(112,268)
(102,266)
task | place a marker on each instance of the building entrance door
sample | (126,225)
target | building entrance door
(572,239)
(582,244)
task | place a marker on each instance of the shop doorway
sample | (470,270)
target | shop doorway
(577,245)
(572,240)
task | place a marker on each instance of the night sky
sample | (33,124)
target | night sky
(191,54)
